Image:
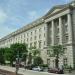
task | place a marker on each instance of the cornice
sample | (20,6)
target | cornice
(63,9)
(23,29)
(38,21)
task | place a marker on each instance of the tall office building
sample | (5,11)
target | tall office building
(55,27)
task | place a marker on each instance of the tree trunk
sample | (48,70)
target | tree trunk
(57,61)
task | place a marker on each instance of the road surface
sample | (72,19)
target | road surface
(28,72)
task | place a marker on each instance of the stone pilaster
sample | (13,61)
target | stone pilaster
(69,28)
(60,30)
(53,37)
(70,48)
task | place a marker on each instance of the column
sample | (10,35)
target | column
(47,34)
(60,30)
(70,48)
(53,37)
(69,28)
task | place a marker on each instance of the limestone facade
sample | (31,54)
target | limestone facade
(56,27)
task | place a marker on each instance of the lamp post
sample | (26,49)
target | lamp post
(17,63)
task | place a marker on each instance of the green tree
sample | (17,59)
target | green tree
(2,59)
(37,61)
(33,53)
(29,59)
(18,50)
(56,51)
(8,55)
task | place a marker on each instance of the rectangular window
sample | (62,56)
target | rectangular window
(39,36)
(39,44)
(66,39)
(48,52)
(44,43)
(48,61)
(35,37)
(24,40)
(65,61)
(40,30)
(44,28)
(24,35)
(27,39)
(66,28)
(27,34)
(30,44)
(31,39)
(44,34)
(31,33)
(57,30)
(35,31)
(35,43)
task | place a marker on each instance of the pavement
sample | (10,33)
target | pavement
(28,72)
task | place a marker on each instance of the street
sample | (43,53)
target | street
(28,72)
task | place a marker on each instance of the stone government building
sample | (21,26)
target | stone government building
(56,27)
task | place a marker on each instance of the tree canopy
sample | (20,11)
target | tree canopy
(15,50)
(2,59)
(56,51)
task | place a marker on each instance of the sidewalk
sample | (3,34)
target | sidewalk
(28,72)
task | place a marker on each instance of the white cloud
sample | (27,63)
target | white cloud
(5,30)
(33,15)
(3,16)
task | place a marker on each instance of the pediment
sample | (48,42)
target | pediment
(55,9)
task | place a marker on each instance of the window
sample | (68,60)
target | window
(31,33)
(16,39)
(39,44)
(30,44)
(44,34)
(44,43)
(21,41)
(58,39)
(31,39)
(27,34)
(44,28)
(35,37)
(66,28)
(35,44)
(65,61)
(57,30)
(24,35)
(35,31)
(48,52)
(48,61)
(27,39)
(24,40)
(40,30)
(66,38)
(39,36)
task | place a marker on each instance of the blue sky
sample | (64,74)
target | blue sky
(14,14)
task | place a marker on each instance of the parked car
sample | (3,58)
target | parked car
(37,68)
(56,70)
